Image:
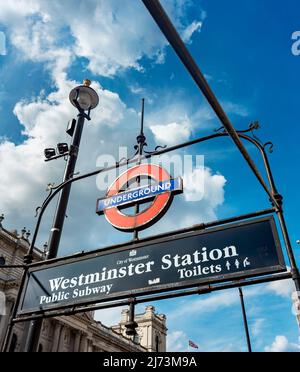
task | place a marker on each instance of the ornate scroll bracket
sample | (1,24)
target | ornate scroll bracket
(254,126)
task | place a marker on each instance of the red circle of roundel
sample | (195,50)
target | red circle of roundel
(147,217)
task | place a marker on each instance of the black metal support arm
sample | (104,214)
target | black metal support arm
(54,190)
(247,332)
(57,157)
(60,213)
(168,29)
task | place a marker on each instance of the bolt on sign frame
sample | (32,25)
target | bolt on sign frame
(159,15)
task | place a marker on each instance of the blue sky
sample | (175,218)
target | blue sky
(244,49)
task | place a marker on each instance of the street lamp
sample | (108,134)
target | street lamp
(84,98)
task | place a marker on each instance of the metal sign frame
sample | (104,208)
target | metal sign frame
(54,190)
(159,15)
(155,241)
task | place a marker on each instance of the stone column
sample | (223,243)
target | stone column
(4,322)
(61,344)
(83,343)
(56,337)
(90,346)
(77,342)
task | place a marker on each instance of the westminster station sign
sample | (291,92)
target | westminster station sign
(233,252)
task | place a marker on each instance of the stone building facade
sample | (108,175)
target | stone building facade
(151,331)
(77,333)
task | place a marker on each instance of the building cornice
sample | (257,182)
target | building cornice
(23,244)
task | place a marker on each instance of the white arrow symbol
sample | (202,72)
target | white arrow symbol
(247,262)
(237,264)
(228,265)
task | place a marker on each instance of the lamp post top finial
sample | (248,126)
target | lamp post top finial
(87,82)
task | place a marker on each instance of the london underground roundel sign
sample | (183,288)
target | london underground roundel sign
(158,192)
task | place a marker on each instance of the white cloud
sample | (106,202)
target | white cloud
(283,288)
(172,122)
(282,345)
(176,120)
(190,30)
(204,192)
(136,89)
(236,109)
(172,133)
(188,120)
(257,326)
(111,35)
(177,341)
(124,35)
(14,11)
(202,184)
(109,317)
(207,305)
(216,301)
(2,44)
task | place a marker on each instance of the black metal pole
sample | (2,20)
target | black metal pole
(63,200)
(168,29)
(141,139)
(245,320)
(294,268)
(131,325)
(58,223)
(166,26)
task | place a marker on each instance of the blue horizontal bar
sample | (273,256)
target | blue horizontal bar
(139,194)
